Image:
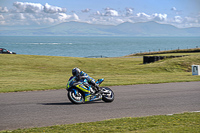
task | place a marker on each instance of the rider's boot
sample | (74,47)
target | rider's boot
(92,90)
(98,89)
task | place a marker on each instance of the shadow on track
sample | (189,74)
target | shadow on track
(69,103)
(64,103)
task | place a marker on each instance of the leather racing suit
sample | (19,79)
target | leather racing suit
(78,81)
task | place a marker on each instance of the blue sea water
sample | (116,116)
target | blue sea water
(84,46)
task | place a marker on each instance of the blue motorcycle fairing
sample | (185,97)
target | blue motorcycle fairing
(99,81)
(81,86)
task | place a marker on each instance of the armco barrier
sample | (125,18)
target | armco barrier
(151,59)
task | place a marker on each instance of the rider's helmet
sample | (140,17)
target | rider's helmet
(76,71)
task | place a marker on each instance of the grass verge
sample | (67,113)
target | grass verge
(193,51)
(178,123)
(31,72)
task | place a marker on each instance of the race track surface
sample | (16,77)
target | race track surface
(46,108)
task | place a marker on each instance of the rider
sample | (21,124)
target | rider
(80,76)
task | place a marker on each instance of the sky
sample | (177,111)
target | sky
(26,13)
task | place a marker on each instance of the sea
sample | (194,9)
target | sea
(93,46)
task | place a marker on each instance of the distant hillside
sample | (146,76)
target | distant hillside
(149,29)
(124,29)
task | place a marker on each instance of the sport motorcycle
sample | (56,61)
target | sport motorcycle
(82,92)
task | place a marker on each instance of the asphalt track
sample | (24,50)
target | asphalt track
(46,108)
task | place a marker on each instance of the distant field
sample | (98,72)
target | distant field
(194,51)
(31,72)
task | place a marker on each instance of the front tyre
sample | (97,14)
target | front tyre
(107,94)
(75,96)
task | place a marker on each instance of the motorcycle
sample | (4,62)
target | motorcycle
(82,92)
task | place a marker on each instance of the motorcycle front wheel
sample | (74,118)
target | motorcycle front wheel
(75,96)
(107,95)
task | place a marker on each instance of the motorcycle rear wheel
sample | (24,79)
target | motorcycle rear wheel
(107,97)
(76,97)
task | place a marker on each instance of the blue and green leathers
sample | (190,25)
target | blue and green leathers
(83,78)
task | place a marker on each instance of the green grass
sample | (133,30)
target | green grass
(31,72)
(178,123)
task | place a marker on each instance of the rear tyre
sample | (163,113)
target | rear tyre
(75,96)
(108,96)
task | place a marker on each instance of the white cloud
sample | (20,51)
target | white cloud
(178,19)
(105,20)
(27,13)
(159,17)
(35,13)
(98,13)
(110,12)
(134,18)
(139,17)
(114,17)
(190,20)
(19,16)
(86,10)
(118,20)
(129,11)
(143,15)
(3,9)
(53,9)
(75,17)
(183,22)
(63,16)
(2,19)
(28,7)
